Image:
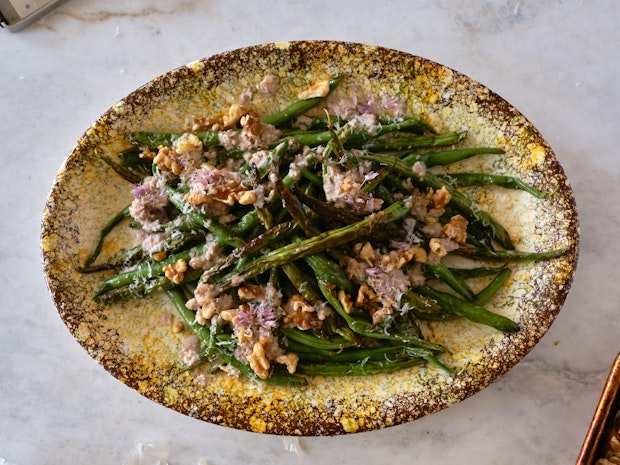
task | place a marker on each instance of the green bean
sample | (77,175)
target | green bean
(335,327)
(309,351)
(148,270)
(415,142)
(308,339)
(177,297)
(485,295)
(302,284)
(245,224)
(128,174)
(435,361)
(324,268)
(425,308)
(110,225)
(386,353)
(312,177)
(328,271)
(442,272)
(478,272)
(470,311)
(131,158)
(383,193)
(509,255)
(449,156)
(299,107)
(484,179)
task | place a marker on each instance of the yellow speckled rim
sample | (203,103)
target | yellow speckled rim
(130,340)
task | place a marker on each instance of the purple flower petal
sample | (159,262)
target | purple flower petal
(244,319)
(265,315)
(375,272)
(141,191)
(370,176)
(400,245)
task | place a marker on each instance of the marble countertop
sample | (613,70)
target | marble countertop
(556,61)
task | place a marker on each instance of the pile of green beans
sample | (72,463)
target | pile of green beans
(299,242)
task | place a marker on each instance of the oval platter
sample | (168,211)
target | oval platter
(132,342)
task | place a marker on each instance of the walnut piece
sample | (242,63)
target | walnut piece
(365,294)
(290,360)
(301,314)
(441,197)
(233,115)
(147,154)
(176,272)
(159,256)
(345,300)
(442,246)
(365,252)
(197,198)
(165,160)
(188,144)
(251,126)
(251,291)
(456,229)
(258,360)
(246,198)
(228,315)
(379,314)
(319,89)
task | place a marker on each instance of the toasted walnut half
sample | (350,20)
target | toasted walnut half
(456,229)
(176,272)
(165,160)
(258,360)
(301,314)
(251,291)
(188,144)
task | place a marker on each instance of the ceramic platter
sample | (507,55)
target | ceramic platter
(129,339)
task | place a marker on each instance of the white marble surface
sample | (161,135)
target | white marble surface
(557,61)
